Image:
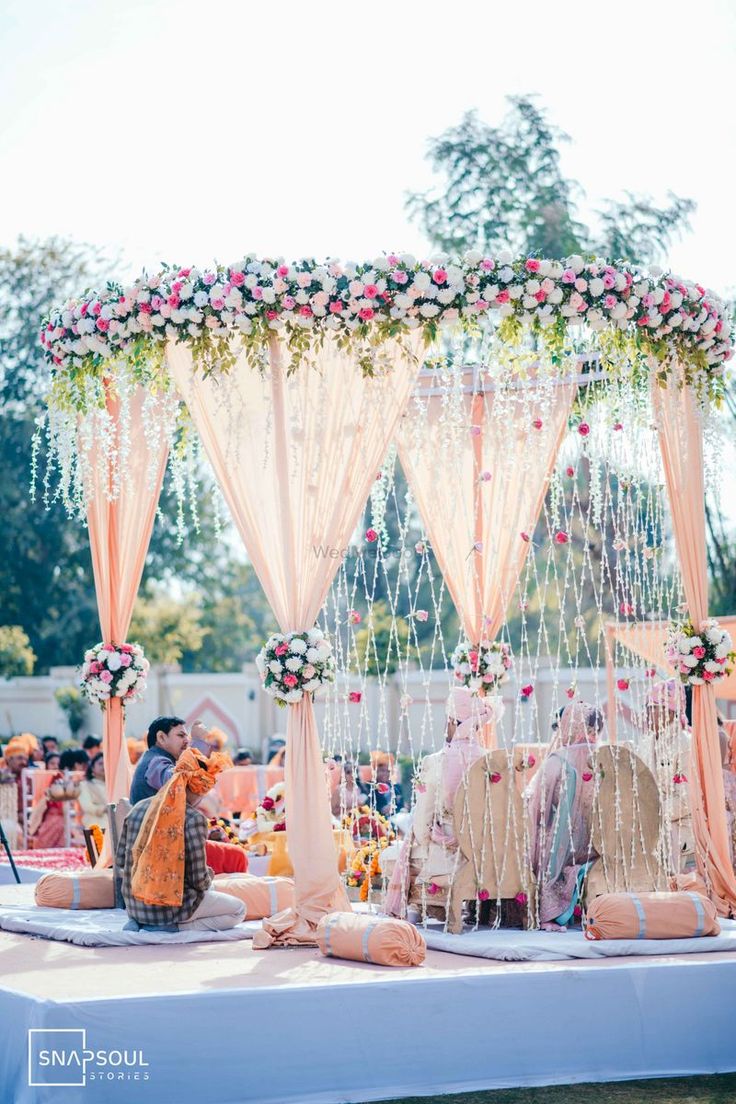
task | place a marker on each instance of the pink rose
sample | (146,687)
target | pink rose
(709,676)
(483,895)
(583,429)
(218,303)
(257,292)
(370,291)
(355,696)
(280,827)
(305,311)
(336,306)
(433,888)
(503,296)
(371,536)
(530,760)
(527,691)
(237,279)
(366,313)
(268,803)
(618,426)
(587,775)
(281,649)
(570,692)
(106,676)
(609,302)
(440,276)
(537,423)
(421,615)
(288,302)
(399,276)
(290,681)
(354,617)
(282,271)
(623,684)
(521,898)
(569,471)
(308,671)
(532,265)
(475,431)
(102,325)
(699,652)
(495,777)
(561,537)
(568,276)
(125,660)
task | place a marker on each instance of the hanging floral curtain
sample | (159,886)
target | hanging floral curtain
(295,455)
(126,448)
(679,421)
(478,463)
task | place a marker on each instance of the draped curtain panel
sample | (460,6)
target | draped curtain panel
(478,465)
(680,426)
(120,522)
(295,456)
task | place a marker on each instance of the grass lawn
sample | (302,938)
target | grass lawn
(720,1089)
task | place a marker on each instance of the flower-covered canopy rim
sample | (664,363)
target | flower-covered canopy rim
(649,316)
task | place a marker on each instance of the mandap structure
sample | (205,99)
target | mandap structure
(496,447)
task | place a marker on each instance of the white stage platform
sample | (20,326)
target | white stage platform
(224,1024)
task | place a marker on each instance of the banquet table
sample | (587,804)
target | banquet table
(240,789)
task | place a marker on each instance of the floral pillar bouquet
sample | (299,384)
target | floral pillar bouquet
(700,657)
(294,664)
(482,667)
(113,671)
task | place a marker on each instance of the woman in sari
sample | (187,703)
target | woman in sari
(666,750)
(560,802)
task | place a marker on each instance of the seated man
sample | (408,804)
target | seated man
(167,739)
(382,794)
(162,855)
(427,856)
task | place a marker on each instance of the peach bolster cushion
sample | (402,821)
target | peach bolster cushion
(90,889)
(651,916)
(261,896)
(382,941)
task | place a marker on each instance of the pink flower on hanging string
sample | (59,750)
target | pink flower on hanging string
(530,760)
(587,775)
(485,476)
(618,426)
(570,471)
(570,692)
(382,787)
(651,672)
(421,615)
(475,431)
(577,912)
(483,895)
(521,898)
(561,537)
(626,609)
(525,537)
(354,617)
(355,696)
(420,788)
(622,684)
(678,779)
(371,536)
(495,777)
(527,691)
(478,546)
(583,429)
(432,889)
(537,423)
(420,547)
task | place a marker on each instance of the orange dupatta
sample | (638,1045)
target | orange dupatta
(158,851)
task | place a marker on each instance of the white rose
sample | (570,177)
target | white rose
(312,655)
(722,651)
(408,259)
(689,661)
(113,661)
(516,291)
(297,645)
(506,274)
(294,696)
(596,286)
(472,258)
(711,666)
(576,263)
(429,310)
(555,296)
(696,642)
(311,686)
(714,635)
(275,667)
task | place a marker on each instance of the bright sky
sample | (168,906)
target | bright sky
(185,131)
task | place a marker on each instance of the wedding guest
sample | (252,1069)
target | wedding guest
(666,750)
(16,761)
(243,758)
(50,744)
(136,749)
(162,854)
(167,739)
(93,795)
(560,809)
(347,795)
(74,759)
(92,744)
(46,825)
(729,789)
(52,760)
(382,793)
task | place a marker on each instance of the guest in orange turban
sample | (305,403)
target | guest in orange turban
(162,853)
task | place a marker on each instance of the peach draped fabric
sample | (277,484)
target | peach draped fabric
(120,526)
(295,456)
(448,445)
(679,422)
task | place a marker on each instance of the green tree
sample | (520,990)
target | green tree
(16,654)
(166,627)
(72,703)
(236,618)
(382,642)
(503,187)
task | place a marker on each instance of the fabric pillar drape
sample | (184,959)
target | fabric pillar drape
(680,426)
(479,465)
(120,517)
(295,456)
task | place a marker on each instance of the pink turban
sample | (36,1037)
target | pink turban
(459,704)
(669,695)
(470,711)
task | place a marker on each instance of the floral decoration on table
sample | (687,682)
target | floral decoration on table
(270,816)
(363,823)
(294,664)
(649,312)
(700,657)
(221,830)
(483,666)
(114,671)
(97,836)
(365,865)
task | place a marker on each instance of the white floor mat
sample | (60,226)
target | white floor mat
(104,927)
(538,946)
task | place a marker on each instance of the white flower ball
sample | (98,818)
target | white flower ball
(275,667)
(294,663)
(298,645)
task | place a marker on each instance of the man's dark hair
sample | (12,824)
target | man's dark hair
(46,740)
(91,765)
(92,742)
(162,724)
